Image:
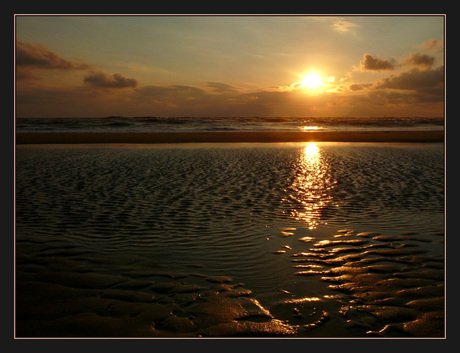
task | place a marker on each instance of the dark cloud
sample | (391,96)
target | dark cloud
(371,63)
(39,56)
(383,97)
(419,60)
(406,98)
(414,86)
(415,79)
(103,80)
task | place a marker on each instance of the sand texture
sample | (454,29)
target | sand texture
(230,240)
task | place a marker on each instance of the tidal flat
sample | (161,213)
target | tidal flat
(230,240)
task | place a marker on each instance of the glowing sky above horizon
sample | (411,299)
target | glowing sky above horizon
(91,66)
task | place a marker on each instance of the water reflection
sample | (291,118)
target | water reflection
(311,188)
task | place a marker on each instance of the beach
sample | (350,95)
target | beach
(226,176)
(233,136)
(196,240)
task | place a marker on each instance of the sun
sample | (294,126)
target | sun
(312,81)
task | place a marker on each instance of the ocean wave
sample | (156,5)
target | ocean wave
(183,124)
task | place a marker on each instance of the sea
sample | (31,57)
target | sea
(200,124)
(292,240)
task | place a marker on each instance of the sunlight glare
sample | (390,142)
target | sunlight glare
(311,150)
(312,81)
(310,128)
(311,188)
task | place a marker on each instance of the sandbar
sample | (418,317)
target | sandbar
(232,136)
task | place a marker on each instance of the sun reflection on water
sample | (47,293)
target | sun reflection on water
(310,190)
(311,152)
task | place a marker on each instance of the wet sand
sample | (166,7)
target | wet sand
(222,137)
(377,286)
(341,240)
(153,302)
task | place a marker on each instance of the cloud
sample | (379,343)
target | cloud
(30,57)
(222,88)
(38,56)
(390,97)
(415,85)
(25,75)
(371,63)
(175,94)
(103,80)
(359,86)
(420,60)
(414,79)
(342,25)
(224,100)
(57,102)
(432,45)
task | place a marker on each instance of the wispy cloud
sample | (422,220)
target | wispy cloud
(432,45)
(222,88)
(343,25)
(103,80)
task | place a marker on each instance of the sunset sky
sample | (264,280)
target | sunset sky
(95,66)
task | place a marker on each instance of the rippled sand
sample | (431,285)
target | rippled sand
(331,240)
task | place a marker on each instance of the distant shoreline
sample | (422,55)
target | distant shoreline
(215,137)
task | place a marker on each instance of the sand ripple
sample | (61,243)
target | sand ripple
(387,286)
(229,241)
(149,304)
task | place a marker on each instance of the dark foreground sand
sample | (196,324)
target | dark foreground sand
(385,286)
(258,136)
